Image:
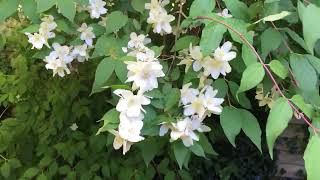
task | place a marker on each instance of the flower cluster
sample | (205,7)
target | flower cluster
(96,8)
(61,56)
(214,65)
(143,73)
(197,106)
(159,17)
(40,38)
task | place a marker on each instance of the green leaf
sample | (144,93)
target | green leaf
(108,46)
(211,37)
(7,8)
(5,170)
(206,145)
(312,159)
(270,41)
(278,68)
(31,172)
(180,153)
(42,177)
(221,86)
(109,119)
(304,73)
(116,20)
(296,38)
(44,5)
(67,8)
(30,10)
(172,99)
(149,153)
(138,5)
(248,55)
(241,98)
(307,109)
(241,27)
(2,42)
(251,77)
(184,42)
(103,73)
(251,128)
(307,15)
(14,163)
(31,29)
(238,9)
(201,7)
(65,26)
(274,17)
(121,71)
(197,149)
(231,122)
(279,117)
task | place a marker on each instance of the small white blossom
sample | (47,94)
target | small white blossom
(212,103)
(131,104)
(156,5)
(225,13)
(144,74)
(58,66)
(184,130)
(61,52)
(74,127)
(96,8)
(188,94)
(119,142)
(37,40)
(48,23)
(130,130)
(220,63)
(138,41)
(148,55)
(197,106)
(161,22)
(80,53)
(87,34)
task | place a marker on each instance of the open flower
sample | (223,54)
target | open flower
(131,104)
(211,102)
(188,94)
(87,34)
(37,40)
(138,41)
(96,8)
(144,74)
(80,53)
(130,130)
(156,5)
(58,66)
(61,52)
(148,55)
(184,130)
(223,53)
(197,106)
(119,142)
(48,23)
(225,13)
(161,22)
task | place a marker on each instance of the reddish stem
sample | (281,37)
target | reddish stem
(301,114)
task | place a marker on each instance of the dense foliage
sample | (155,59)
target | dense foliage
(153,89)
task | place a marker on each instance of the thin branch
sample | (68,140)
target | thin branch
(4,111)
(241,36)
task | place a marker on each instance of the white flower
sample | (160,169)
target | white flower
(211,102)
(188,94)
(223,53)
(197,106)
(148,55)
(144,74)
(48,23)
(225,13)
(80,52)
(74,127)
(138,41)
(161,22)
(156,5)
(130,130)
(58,66)
(119,142)
(131,104)
(198,125)
(220,63)
(164,128)
(96,8)
(37,40)
(87,34)
(197,56)
(184,130)
(61,52)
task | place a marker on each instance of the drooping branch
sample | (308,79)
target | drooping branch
(265,66)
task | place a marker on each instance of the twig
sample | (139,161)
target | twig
(5,159)
(4,111)
(241,36)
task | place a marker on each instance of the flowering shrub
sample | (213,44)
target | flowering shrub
(82,79)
